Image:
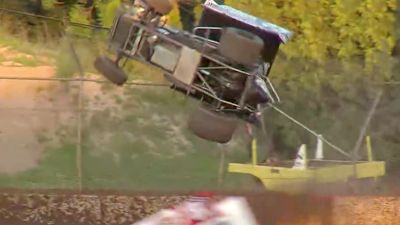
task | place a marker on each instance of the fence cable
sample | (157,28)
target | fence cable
(130,83)
(22,13)
(338,149)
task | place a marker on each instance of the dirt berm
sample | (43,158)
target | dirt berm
(63,208)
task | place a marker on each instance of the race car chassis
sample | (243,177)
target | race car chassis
(182,73)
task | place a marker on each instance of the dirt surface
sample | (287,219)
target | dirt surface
(269,208)
(21,152)
(31,109)
(10,57)
(367,210)
(60,209)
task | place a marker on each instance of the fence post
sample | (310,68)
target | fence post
(221,167)
(79,125)
(366,124)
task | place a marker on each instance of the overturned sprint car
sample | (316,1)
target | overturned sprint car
(224,62)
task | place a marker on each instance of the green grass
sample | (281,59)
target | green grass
(144,152)
(131,163)
(150,147)
(194,171)
(57,170)
(21,45)
(60,51)
(27,61)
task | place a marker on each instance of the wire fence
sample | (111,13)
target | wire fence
(81,137)
(69,133)
(54,19)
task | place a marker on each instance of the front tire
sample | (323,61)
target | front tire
(212,126)
(110,70)
(122,29)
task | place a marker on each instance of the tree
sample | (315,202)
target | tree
(340,29)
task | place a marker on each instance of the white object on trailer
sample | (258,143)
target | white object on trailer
(319,152)
(301,159)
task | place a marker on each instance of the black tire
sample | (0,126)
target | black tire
(121,32)
(162,7)
(110,70)
(212,126)
(241,46)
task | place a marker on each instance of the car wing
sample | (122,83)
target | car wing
(268,30)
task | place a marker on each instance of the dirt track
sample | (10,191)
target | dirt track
(16,100)
(17,156)
(24,106)
(270,209)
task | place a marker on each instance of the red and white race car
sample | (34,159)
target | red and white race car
(203,209)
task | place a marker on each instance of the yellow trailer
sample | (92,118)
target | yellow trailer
(283,176)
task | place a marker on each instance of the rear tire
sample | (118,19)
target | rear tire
(241,46)
(162,7)
(212,126)
(121,32)
(110,70)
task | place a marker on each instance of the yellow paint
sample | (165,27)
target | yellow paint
(293,181)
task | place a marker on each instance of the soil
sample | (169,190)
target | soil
(15,96)
(30,109)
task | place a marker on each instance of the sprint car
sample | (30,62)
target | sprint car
(224,62)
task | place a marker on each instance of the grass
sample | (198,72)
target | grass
(149,150)
(65,63)
(59,51)
(149,146)
(27,61)
(171,161)
(143,153)
(119,170)
(198,170)
(23,46)
(57,170)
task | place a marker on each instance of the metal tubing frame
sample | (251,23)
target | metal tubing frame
(149,31)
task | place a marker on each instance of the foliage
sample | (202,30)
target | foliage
(107,11)
(78,14)
(331,28)
(48,4)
